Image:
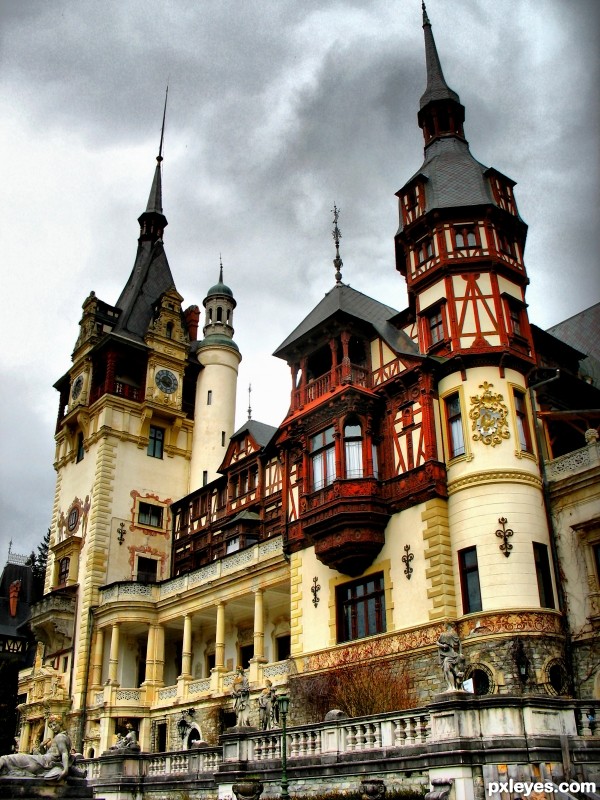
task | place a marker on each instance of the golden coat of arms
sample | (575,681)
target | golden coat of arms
(489,415)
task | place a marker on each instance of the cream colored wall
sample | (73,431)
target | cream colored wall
(491,482)
(407,603)
(219,376)
(431,295)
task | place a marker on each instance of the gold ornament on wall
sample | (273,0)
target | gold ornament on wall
(489,415)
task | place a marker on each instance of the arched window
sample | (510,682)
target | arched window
(353,450)
(219,314)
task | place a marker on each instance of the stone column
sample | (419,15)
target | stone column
(258,657)
(114,653)
(150,646)
(186,650)
(159,663)
(98,658)
(219,668)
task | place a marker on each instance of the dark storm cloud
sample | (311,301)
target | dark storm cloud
(276,111)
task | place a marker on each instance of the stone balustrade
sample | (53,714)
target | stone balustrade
(572,463)
(133,592)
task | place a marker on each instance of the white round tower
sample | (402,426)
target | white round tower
(219,356)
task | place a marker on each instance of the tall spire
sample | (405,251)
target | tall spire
(440,109)
(336,233)
(152,221)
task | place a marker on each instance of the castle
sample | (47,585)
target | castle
(437,464)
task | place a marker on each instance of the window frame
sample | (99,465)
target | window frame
(325,454)
(64,568)
(350,442)
(144,515)
(141,576)
(465,231)
(358,612)
(156,441)
(543,574)
(522,419)
(465,571)
(450,420)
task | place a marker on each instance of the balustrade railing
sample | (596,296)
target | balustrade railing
(343,374)
(344,736)
(571,463)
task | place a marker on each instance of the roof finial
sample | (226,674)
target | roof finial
(337,235)
(425,17)
(249,401)
(159,157)
(220,268)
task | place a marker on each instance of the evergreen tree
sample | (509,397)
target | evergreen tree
(38,562)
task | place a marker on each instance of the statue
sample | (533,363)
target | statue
(241,699)
(268,707)
(127,742)
(53,765)
(451,658)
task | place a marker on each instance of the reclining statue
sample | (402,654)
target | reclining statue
(55,764)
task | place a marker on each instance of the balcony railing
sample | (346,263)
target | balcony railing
(572,463)
(343,374)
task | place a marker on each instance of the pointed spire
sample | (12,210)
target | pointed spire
(437,88)
(152,221)
(336,233)
(155,198)
(249,401)
(220,269)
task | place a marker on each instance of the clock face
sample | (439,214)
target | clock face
(77,387)
(166,381)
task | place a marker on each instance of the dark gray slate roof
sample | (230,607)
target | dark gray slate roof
(582,331)
(260,432)
(150,278)
(346,300)
(453,176)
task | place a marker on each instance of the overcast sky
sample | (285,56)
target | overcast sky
(277,109)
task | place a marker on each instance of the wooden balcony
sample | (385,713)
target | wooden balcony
(342,375)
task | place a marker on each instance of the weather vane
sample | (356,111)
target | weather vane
(336,233)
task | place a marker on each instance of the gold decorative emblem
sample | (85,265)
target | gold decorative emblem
(489,414)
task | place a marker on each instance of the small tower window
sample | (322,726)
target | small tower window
(465,237)
(210,318)
(204,477)
(156,441)
(209,398)
(523,430)
(469,580)
(169,330)
(424,250)
(436,326)
(219,314)
(63,570)
(456,438)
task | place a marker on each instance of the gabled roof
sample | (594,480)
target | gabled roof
(344,300)
(150,278)
(260,432)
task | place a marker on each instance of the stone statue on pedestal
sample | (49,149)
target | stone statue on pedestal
(241,699)
(55,764)
(451,658)
(127,742)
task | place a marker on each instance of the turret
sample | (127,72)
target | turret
(219,357)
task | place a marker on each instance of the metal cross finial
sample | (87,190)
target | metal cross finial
(337,235)
(159,157)
(249,401)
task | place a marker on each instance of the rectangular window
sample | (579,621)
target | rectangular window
(323,458)
(222,438)
(63,571)
(156,441)
(436,327)
(209,398)
(514,315)
(542,571)
(596,549)
(282,648)
(360,608)
(454,426)
(424,250)
(469,580)
(80,448)
(204,477)
(149,514)
(146,570)
(523,430)
(233,545)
